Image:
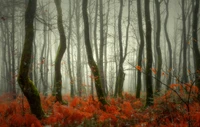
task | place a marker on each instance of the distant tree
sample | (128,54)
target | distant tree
(70,15)
(78,36)
(26,85)
(92,64)
(149,89)
(60,52)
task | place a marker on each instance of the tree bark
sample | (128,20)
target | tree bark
(184,75)
(159,54)
(149,90)
(93,66)
(141,48)
(196,53)
(168,42)
(26,85)
(59,55)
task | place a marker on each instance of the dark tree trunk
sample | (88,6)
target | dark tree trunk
(149,89)
(120,73)
(196,53)
(91,62)
(100,61)
(184,75)
(168,42)
(159,55)
(59,55)
(26,85)
(141,48)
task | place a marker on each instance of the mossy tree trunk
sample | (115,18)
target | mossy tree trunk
(91,62)
(26,85)
(60,52)
(149,89)
(141,48)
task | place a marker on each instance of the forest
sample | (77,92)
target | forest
(99,63)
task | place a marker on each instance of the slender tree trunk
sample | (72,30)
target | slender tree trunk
(91,62)
(168,43)
(149,89)
(158,50)
(95,30)
(184,75)
(13,51)
(141,48)
(26,85)
(68,49)
(79,69)
(100,61)
(195,41)
(120,73)
(60,53)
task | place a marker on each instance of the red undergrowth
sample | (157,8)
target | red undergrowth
(168,111)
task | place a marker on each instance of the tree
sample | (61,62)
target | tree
(159,54)
(26,85)
(122,53)
(60,53)
(79,68)
(102,43)
(196,53)
(68,49)
(184,75)
(168,42)
(149,90)
(92,64)
(141,47)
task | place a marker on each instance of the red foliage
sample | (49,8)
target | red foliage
(168,111)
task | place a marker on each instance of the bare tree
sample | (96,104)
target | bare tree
(60,52)
(91,62)
(26,85)
(149,89)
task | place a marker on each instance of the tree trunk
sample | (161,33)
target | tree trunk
(79,69)
(139,82)
(120,73)
(91,62)
(184,75)
(168,43)
(13,51)
(196,53)
(149,90)
(159,55)
(100,60)
(26,85)
(60,53)
(68,49)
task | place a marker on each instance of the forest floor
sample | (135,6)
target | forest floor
(172,109)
